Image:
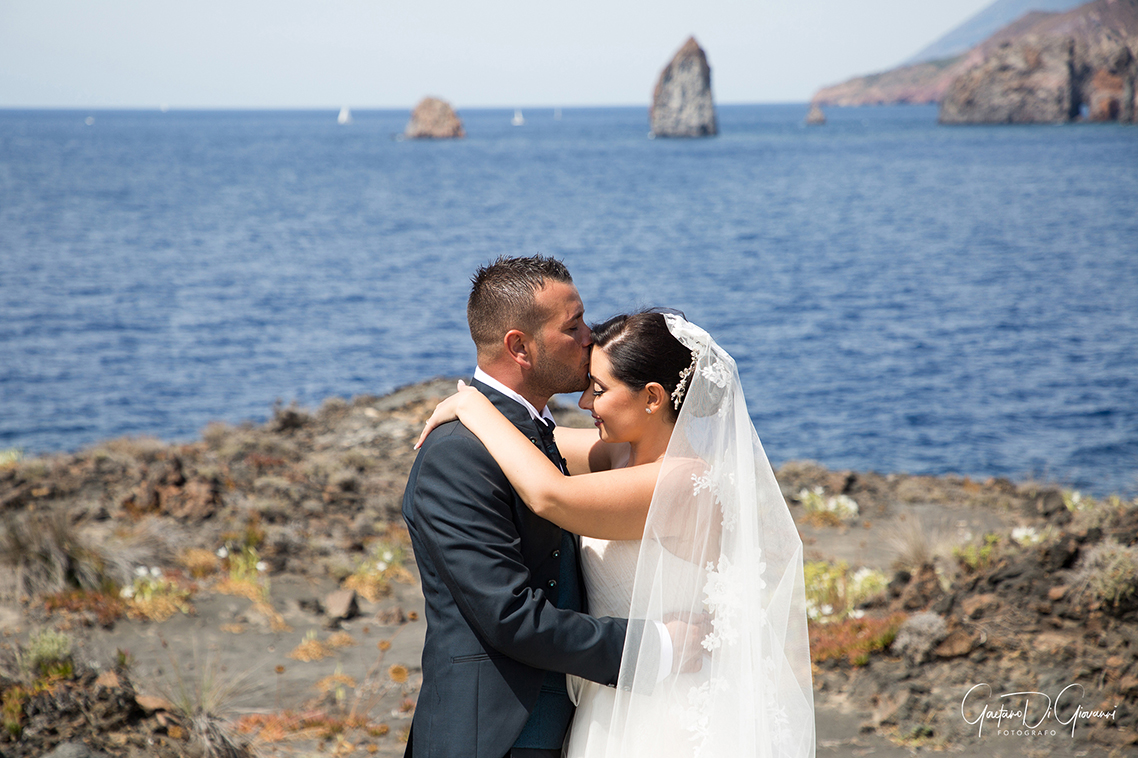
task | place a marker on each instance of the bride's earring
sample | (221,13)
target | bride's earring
(648,410)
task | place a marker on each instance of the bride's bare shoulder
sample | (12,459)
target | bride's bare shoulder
(584,452)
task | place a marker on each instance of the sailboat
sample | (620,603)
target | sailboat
(345,116)
(518,119)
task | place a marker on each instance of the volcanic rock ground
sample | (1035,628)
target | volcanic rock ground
(316,493)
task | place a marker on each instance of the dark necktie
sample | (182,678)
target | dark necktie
(569,593)
(549,445)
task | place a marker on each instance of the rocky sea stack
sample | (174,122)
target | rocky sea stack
(681,104)
(434,119)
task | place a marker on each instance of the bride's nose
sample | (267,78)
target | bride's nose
(586,401)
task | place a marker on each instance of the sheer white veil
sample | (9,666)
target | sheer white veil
(719,542)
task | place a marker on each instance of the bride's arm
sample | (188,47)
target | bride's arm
(606,504)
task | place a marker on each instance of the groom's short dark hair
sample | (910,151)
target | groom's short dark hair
(502,296)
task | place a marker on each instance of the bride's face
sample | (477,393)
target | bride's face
(618,411)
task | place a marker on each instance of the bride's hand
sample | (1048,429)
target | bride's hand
(446,411)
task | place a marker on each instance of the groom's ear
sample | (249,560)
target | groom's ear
(517,345)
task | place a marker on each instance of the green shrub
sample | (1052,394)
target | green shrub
(48,656)
(1110,571)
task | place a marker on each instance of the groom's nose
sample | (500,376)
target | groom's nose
(586,337)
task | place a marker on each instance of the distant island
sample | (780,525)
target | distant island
(1043,67)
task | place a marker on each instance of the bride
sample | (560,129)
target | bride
(680,517)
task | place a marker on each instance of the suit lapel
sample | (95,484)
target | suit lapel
(516,413)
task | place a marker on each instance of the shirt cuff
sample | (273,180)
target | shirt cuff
(666,652)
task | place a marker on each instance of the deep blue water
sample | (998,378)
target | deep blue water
(899,296)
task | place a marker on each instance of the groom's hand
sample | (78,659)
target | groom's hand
(688,632)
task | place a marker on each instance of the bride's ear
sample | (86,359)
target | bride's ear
(655,397)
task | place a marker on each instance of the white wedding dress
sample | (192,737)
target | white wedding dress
(609,568)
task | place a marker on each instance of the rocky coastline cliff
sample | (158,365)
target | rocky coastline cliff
(1042,68)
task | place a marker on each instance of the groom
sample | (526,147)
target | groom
(504,596)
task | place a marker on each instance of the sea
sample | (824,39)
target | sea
(900,296)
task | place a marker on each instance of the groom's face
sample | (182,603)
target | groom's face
(562,341)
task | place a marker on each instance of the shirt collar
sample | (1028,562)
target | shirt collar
(488,380)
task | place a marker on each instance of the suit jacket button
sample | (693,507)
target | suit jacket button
(556,553)
(552,583)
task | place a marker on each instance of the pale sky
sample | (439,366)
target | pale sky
(384,54)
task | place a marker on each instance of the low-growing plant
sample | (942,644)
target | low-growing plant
(12,710)
(855,639)
(247,573)
(827,511)
(154,597)
(1076,503)
(372,576)
(1027,536)
(48,656)
(106,605)
(977,557)
(1110,572)
(10,457)
(833,593)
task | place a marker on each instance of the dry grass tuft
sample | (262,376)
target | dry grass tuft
(398,673)
(199,562)
(203,700)
(915,544)
(334,681)
(49,554)
(310,649)
(340,639)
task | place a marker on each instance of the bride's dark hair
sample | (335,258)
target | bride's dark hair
(642,350)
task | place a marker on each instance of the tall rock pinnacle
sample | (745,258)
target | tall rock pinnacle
(682,104)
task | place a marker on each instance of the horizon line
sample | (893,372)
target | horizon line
(165,107)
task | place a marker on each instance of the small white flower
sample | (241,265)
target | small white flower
(857,613)
(140,571)
(261,565)
(1026,536)
(827,610)
(222,552)
(389,556)
(381,566)
(155,572)
(127,592)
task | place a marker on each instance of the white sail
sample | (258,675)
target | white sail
(518,119)
(345,116)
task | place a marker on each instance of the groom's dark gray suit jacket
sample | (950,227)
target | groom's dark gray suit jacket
(487,562)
